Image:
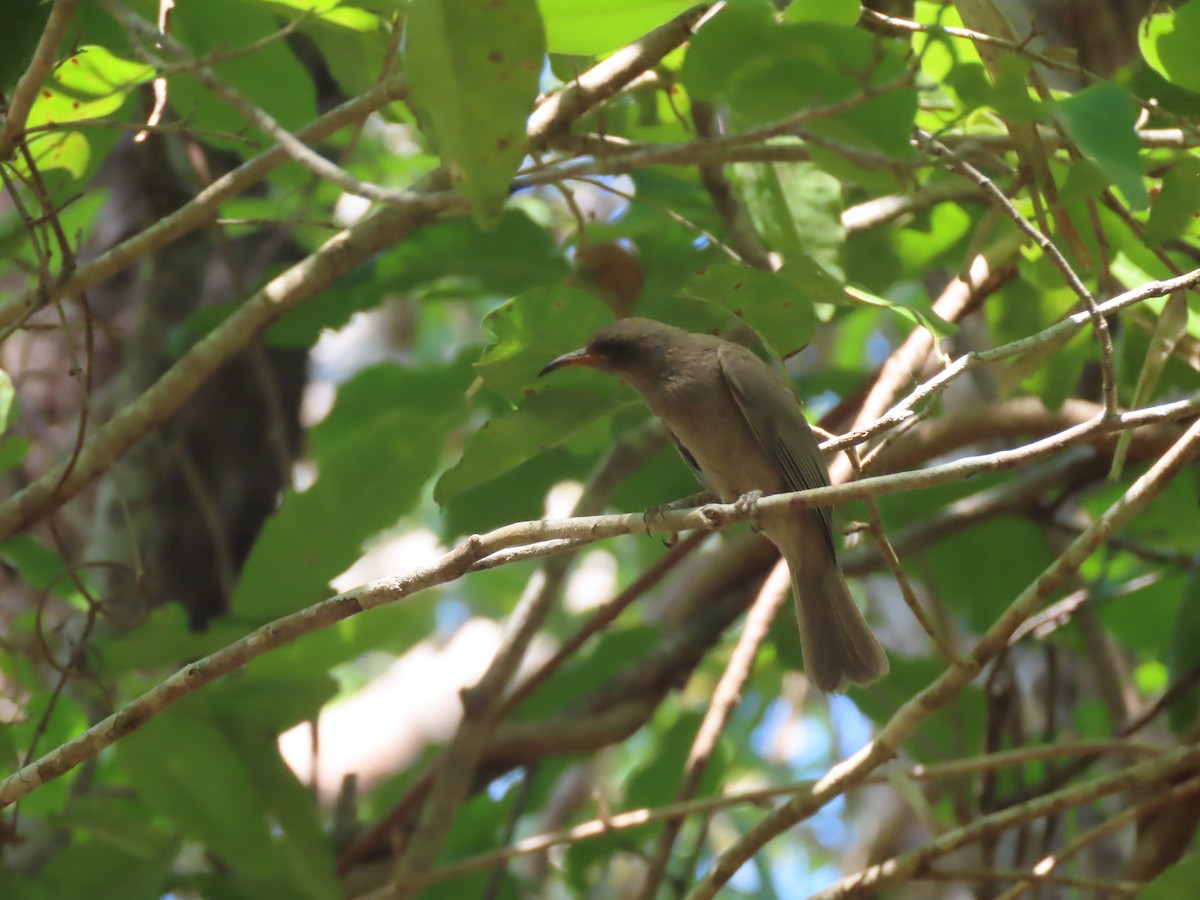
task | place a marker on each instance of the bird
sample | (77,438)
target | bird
(738,425)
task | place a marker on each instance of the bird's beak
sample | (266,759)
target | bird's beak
(581,357)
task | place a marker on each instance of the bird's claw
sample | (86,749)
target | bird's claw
(747,505)
(658,511)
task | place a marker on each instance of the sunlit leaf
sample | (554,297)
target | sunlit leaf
(1177,205)
(473,70)
(1168,41)
(598,26)
(1101,120)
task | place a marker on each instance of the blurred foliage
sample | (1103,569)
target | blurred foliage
(453,433)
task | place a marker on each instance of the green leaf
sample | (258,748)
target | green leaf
(837,12)
(922,242)
(530,330)
(959,724)
(375,392)
(1010,95)
(270,702)
(656,780)
(1085,181)
(1177,205)
(187,770)
(39,566)
(1178,880)
(119,824)
(1184,656)
(935,325)
(90,84)
(662,479)
(768,72)
(353,42)
(609,654)
(473,70)
(796,208)
(270,77)
(163,639)
(1101,120)
(591,27)
(364,484)
(93,869)
(1146,620)
(970,82)
(517,497)
(393,629)
(292,807)
(723,45)
(1168,41)
(8,396)
(517,256)
(1017,554)
(814,280)
(543,421)
(778,312)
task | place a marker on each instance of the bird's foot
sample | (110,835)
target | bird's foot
(747,505)
(658,512)
(683,503)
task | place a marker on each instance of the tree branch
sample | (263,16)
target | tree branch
(639,817)
(337,256)
(26,91)
(478,548)
(955,678)
(200,209)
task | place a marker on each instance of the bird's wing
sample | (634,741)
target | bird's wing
(690,460)
(777,422)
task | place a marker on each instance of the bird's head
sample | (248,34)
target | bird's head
(635,350)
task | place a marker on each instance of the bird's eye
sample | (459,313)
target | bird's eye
(612,349)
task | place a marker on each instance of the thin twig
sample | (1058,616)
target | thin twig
(948,686)
(1152,772)
(483,702)
(1050,249)
(1119,888)
(904,363)
(1060,330)
(30,83)
(592,528)
(1046,866)
(774,592)
(638,817)
(888,552)
(199,210)
(259,118)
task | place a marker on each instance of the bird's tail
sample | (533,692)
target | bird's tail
(839,647)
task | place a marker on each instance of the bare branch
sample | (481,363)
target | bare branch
(593,87)
(725,698)
(638,817)
(337,256)
(201,208)
(954,679)
(591,528)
